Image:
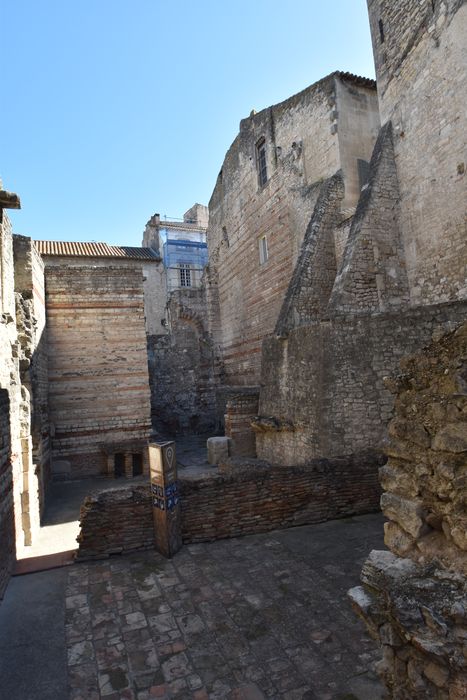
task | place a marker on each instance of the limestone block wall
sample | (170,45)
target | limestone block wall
(303,146)
(413,598)
(322,386)
(246,498)
(98,374)
(372,273)
(420,50)
(31,322)
(181,368)
(23,398)
(7,516)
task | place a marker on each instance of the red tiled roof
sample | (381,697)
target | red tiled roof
(94,250)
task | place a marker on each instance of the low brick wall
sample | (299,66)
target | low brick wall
(243,498)
(116,521)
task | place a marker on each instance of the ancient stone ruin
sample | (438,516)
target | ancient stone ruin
(413,598)
(275,322)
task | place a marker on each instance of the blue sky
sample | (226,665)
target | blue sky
(115,109)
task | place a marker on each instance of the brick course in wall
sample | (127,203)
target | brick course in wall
(98,370)
(246,497)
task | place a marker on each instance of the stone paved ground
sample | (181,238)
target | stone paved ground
(261,616)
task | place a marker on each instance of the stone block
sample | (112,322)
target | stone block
(218,449)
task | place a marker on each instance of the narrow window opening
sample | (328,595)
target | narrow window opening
(263,250)
(261,162)
(137,464)
(119,465)
(381,30)
(185,275)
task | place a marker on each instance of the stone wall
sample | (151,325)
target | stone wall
(420,50)
(308,138)
(31,322)
(98,372)
(322,386)
(372,274)
(116,521)
(24,450)
(181,368)
(7,516)
(413,599)
(240,411)
(247,497)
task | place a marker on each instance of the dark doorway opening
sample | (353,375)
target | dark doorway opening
(119,465)
(137,464)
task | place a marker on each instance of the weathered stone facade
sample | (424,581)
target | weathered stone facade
(98,373)
(420,51)
(414,596)
(181,368)
(330,126)
(322,390)
(24,447)
(353,308)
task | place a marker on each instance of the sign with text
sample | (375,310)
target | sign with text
(165,497)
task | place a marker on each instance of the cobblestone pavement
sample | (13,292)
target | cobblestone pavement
(260,616)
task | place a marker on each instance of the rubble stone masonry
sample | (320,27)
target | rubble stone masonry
(414,597)
(98,372)
(181,368)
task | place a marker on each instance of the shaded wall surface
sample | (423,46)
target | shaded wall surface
(420,51)
(98,375)
(413,598)
(24,445)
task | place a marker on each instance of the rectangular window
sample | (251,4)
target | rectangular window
(185,275)
(263,249)
(261,162)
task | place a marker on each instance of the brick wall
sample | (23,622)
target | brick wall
(246,498)
(98,372)
(413,599)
